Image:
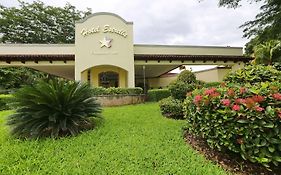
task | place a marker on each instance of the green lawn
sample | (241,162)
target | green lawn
(130,140)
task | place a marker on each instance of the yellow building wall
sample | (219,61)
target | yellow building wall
(90,52)
(84,76)
(212,75)
(95,71)
(161,82)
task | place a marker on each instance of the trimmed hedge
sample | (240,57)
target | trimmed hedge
(245,120)
(212,84)
(171,108)
(117,91)
(157,94)
(5,101)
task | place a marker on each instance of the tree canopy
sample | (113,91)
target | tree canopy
(264,31)
(39,23)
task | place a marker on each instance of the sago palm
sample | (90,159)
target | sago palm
(53,108)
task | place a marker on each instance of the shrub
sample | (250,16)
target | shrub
(212,84)
(55,108)
(179,89)
(117,91)
(187,76)
(171,108)
(5,101)
(158,94)
(252,74)
(245,120)
(135,91)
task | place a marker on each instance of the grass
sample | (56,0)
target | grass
(131,140)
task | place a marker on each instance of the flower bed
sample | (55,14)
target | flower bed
(245,120)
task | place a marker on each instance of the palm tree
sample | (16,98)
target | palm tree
(53,108)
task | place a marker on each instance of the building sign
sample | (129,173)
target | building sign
(105,29)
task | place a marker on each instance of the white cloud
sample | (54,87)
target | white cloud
(173,22)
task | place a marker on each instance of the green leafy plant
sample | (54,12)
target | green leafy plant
(171,108)
(117,91)
(253,74)
(158,94)
(5,101)
(243,119)
(54,108)
(179,89)
(187,76)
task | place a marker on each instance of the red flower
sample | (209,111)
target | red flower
(258,98)
(230,92)
(197,99)
(240,101)
(236,108)
(276,96)
(242,90)
(225,102)
(259,109)
(215,94)
(250,102)
(210,91)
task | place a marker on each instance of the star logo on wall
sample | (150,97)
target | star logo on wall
(105,42)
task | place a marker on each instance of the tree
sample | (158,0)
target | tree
(267,23)
(35,23)
(267,53)
(38,23)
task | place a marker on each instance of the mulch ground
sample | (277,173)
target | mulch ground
(228,161)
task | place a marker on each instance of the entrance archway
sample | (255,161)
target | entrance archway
(106,76)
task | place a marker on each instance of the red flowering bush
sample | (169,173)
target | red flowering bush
(245,120)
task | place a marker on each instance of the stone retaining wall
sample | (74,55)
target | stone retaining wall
(119,100)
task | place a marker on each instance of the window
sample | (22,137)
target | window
(109,79)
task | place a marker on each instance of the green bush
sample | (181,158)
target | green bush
(117,91)
(158,94)
(179,89)
(5,101)
(212,84)
(54,108)
(187,76)
(171,108)
(253,74)
(245,120)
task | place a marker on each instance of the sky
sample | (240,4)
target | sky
(173,22)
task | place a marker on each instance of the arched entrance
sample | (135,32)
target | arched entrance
(106,76)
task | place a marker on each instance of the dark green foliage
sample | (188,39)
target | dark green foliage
(15,77)
(5,101)
(117,91)
(243,119)
(187,76)
(212,84)
(158,94)
(171,108)
(253,74)
(39,23)
(179,89)
(54,108)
